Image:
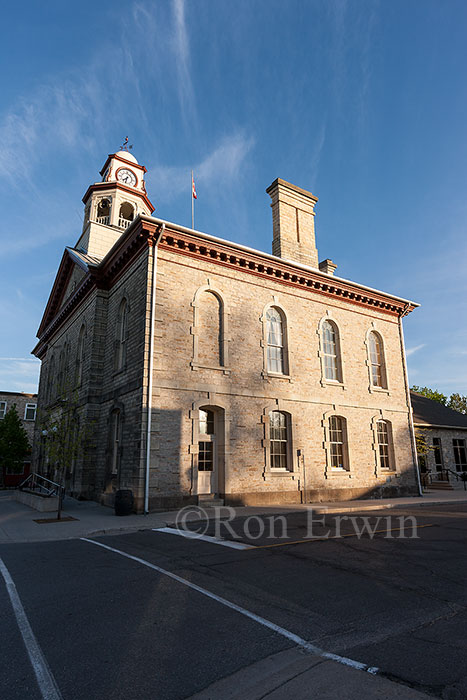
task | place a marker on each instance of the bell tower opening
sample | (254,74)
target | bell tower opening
(103,212)
(126,215)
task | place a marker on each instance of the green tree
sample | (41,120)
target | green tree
(458,403)
(65,436)
(14,443)
(432,394)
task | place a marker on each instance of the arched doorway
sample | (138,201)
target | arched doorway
(209,477)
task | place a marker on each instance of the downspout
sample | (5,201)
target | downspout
(151,365)
(409,404)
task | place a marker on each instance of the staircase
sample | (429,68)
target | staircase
(210,500)
(444,480)
(440,486)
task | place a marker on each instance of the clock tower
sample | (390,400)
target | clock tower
(112,204)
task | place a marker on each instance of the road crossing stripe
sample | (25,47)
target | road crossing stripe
(252,616)
(45,680)
(189,534)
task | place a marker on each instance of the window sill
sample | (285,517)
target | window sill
(332,382)
(116,372)
(195,366)
(274,375)
(278,472)
(333,472)
(378,390)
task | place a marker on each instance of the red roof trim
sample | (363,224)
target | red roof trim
(123,160)
(142,234)
(110,185)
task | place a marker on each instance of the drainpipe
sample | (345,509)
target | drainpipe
(409,404)
(151,365)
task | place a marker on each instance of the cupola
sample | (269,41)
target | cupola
(113,203)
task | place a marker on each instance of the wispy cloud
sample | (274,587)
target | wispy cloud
(181,52)
(416,348)
(19,374)
(223,164)
(315,157)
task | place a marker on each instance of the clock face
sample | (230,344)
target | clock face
(127,177)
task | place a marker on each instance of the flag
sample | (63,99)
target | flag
(193,190)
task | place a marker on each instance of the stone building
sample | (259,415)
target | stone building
(212,370)
(26,405)
(445,433)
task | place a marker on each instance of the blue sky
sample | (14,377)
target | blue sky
(363,102)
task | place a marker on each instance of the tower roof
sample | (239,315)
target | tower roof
(127,156)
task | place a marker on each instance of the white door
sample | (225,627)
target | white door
(207,453)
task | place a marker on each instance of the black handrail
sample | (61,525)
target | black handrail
(37,482)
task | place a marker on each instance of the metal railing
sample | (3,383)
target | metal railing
(429,477)
(38,483)
(426,478)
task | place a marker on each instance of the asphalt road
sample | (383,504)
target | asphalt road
(111,627)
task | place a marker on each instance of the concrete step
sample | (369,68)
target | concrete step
(440,486)
(210,501)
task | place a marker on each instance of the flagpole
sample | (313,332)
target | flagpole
(192,202)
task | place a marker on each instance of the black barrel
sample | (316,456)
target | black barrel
(124,502)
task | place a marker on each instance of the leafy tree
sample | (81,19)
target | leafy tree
(432,394)
(14,443)
(458,403)
(65,436)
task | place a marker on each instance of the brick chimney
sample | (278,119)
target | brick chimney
(293,223)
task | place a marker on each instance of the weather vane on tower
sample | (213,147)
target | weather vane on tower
(125,146)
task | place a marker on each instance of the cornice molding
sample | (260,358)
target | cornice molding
(283,272)
(117,185)
(143,234)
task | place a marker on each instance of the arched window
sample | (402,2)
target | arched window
(126,215)
(279,443)
(103,212)
(116,439)
(122,333)
(384,433)
(80,355)
(377,364)
(338,452)
(330,349)
(50,386)
(62,377)
(210,331)
(275,333)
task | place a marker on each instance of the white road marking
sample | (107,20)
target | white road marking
(261,620)
(45,680)
(206,538)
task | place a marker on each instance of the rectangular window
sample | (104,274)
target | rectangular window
(460,455)
(2,409)
(383,442)
(275,359)
(438,453)
(338,454)
(30,411)
(278,443)
(206,457)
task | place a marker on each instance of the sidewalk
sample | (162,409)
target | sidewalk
(17,521)
(302,676)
